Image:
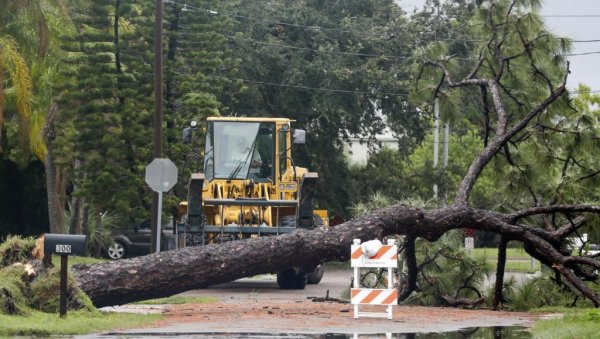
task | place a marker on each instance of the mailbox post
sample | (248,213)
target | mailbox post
(64,245)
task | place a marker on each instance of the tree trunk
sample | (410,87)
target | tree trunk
(75,222)
(167,273)
(498,297)
(55,209)
(411,265)
(56,225)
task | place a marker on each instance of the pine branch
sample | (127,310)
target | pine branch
(552,209)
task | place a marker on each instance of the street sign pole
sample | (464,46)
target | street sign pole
(159,222)
(159,212)
(161,176)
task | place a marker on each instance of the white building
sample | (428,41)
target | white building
(358,152)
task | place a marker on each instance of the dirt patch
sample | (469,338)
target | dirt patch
(299,316)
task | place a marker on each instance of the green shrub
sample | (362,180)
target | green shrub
(449,271)
(13,291)
(16,250)
(18,295)
(46,294)
(543,292)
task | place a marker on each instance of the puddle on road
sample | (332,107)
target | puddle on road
(513,332)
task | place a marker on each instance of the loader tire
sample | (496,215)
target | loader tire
(290,221)
(317,221)
(314,277)
(291,279)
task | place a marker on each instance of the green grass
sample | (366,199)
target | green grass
(517,265)
(492,253)
(39,323)
(580,323)
(517,260)
(178,299)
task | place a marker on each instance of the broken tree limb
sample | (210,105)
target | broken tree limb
(168,273)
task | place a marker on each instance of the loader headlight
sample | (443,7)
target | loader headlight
(287,187)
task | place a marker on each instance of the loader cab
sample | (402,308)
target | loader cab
(240,150)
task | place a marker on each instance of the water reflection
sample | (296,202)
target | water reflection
(469,333)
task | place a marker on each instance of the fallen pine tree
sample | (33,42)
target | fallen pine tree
(167,273)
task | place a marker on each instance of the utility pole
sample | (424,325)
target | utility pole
(158,110)
(436,143)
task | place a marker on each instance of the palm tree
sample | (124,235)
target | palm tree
(24,46)
(13,64)
(24,37)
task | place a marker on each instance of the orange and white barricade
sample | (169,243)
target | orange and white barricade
(386,257)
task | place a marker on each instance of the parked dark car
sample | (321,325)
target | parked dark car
(135,241)
(593,249)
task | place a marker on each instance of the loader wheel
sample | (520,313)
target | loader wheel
(314,277)
(291,279)
(288,221)
(317,221)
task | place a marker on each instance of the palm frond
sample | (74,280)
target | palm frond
(14,63)
(36,139)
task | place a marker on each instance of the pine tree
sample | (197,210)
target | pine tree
(339,68)
(107,98)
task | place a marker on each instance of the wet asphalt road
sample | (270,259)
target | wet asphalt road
(264,288)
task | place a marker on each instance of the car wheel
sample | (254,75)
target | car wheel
(116,251)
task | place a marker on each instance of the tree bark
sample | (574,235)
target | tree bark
(167,273)
(498,297)
(411,265)
(55,209)
(75,222)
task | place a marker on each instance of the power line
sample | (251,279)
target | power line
(323,89)
(571,16)
(189,8)
(371,55)
(319,50)
(584,53)
(347,53)
(309,87)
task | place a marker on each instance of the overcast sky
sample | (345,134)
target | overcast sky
(585,68)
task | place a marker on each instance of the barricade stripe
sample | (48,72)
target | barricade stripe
(361,294)
(374,297)
(385,252)
(356,254)
(391,299)
(370,297)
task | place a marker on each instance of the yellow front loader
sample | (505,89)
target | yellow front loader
(251,187)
